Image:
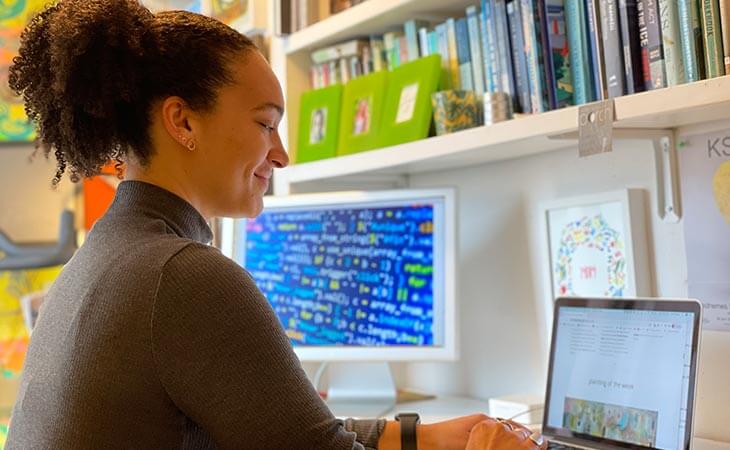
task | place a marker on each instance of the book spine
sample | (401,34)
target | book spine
(725,19)
(673,59)
(402,51)
(596,49)
(519,62)
(433,43)
(344,70)
(453,53)
(411,34)
(377,50)
(443,43)
(489,82)
(613,51)
(423,41)
(475,46)
(714,60)
(655,50)
(688,28)
(367,60)
(464,53)
(389,47)
(579,66)
(492,51)
(532,49)
(560,53)
(629,25)
(503,45)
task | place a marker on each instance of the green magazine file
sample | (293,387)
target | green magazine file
(362,110)
(407,113)
(319,121)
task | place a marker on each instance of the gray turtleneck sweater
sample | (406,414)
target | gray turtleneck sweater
(152,339)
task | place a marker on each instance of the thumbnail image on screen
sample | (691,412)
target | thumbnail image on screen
(620,423)
(348,275)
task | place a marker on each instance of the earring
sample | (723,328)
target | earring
(191,145)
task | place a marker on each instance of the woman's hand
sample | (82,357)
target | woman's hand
(494,434)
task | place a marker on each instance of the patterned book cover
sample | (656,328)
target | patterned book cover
(503,46)
(519,59)
(690,29)
(712,39)
(650,32)
(580,65)
(533,50)
(559,53)
(629,25)
(475,46)
(596,49)
(673,59)
(725,19)
(612,48)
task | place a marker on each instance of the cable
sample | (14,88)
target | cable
(539,408)
(318,375)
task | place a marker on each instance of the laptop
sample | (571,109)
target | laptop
(622,373)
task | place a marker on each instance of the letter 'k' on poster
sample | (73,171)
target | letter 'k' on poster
(704,166)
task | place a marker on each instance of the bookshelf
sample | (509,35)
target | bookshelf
(663,109)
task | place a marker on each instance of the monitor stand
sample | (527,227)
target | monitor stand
(365,390)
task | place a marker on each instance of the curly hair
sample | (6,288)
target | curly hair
(90,71)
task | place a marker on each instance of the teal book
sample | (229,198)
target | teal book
(673,58)
(580,66)
(463,50)
(690,28)
(475,45)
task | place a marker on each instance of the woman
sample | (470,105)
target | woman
(150,338)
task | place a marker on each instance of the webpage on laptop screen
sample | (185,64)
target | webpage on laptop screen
(622,375)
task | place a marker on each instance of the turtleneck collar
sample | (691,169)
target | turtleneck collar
(179,215)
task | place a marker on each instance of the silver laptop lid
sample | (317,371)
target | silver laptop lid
(622,373)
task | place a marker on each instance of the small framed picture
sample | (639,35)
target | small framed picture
(362,111)
(596,246)
(319,124)
(408,108)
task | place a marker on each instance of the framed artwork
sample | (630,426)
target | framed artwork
(596,246)
(362,109)
(246,16)
(319,121)
(14,15)
(408,108)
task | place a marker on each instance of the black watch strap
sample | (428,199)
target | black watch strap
(408,422)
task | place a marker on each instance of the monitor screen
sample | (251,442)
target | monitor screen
(354,270)
(622,375)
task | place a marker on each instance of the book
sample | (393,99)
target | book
(690,27)
(411,30)
(631,42)
(519,61)
(391,43)
(580,66)
(673,59)
(533,51)
(489,81)
(453,53)
(725,20)
(475,47)
(377,52)
(443,46)
(612,48)
(595,47)
(423,41)
(342,50)
(466,77)
(712,39)
(561,81)
(650,33)
(492,52)
(503,48)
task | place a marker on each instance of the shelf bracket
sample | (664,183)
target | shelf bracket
(667,177)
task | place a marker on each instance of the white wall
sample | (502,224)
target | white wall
(501,274)
(29,207)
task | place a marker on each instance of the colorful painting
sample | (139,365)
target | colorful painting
(620,423)
(14,15)
(704,163)
(231,11)
(167,5)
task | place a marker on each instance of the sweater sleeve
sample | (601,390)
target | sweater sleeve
(225,361)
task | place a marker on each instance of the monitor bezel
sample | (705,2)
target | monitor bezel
(449,351)
(643,304)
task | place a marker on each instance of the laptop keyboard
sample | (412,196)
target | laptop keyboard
(557,446)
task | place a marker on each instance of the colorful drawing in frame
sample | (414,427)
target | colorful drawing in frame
(14,15)
(596,246)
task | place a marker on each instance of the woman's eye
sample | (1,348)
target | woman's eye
(268,128)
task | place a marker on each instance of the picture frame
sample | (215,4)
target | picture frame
(407,113)
(319,122)
(596,246)
(362,110)
(245,16)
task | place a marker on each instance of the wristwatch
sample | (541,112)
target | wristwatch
(408,422)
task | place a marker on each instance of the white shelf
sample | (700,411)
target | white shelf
(371,16)
(670,108)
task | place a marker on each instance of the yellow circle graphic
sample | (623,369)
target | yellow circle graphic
(721,188)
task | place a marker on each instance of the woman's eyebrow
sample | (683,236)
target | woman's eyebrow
(270,105)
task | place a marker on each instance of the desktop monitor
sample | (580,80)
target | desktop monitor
(357,276)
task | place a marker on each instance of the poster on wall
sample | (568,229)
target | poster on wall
(14,15)
(596,245)
(704,167)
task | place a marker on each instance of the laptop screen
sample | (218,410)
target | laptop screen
(623,374)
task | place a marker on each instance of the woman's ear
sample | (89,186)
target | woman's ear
(176,117)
